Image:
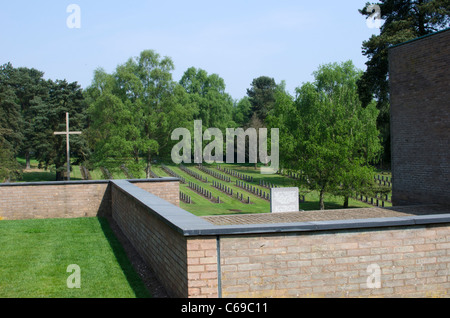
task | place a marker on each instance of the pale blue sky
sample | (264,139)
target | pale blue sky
(238,40)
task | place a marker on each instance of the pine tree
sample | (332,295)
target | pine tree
(404,21)
(11,137)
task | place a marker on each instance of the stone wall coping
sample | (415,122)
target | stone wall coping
(179,219)
(418,38)
(47,183)
(188,224)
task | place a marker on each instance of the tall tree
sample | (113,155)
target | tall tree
(404,20)
(262,96)
(242,112)
(11,136)
(112,134)
(326,134)
(9,167)
(50,116)
(10,115)
(207,93)
(27,84)
(133,111)
(32,109)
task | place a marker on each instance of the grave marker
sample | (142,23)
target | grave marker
(284,200)
(67,133)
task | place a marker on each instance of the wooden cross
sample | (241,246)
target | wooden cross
(68,133)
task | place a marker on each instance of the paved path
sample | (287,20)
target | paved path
(327,215)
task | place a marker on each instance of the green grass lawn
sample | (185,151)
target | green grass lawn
(35,255)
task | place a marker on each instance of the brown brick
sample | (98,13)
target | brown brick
(420,120)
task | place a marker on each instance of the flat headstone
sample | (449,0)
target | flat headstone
(284,200)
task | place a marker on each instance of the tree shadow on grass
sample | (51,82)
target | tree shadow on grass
(130,273)
(314,206)
(41,176)
(38,176)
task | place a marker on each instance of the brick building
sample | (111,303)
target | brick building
(420,120)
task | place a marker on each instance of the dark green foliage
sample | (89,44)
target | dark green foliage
(242,112)
(326,134)
(207,93)
(133,112)
(11,137)
(262,96)
(31,110)
(404,21)
(50,116)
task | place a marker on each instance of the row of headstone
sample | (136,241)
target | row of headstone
(365,198)
(384,197)
(241,198)
(185,198)
(266,184)
(222,187)
(173,173)
(194,174)
(236,174)
(293,175)
(214,174)
(202,191)
(126,172)
(378,201)
(383,182)
(301,198)
(383,178)
(252,189)
(290,174)
(106,174)
(85,174)
(154,175)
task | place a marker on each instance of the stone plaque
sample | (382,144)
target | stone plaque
(284,200)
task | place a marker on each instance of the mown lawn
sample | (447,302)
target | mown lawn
(35,255)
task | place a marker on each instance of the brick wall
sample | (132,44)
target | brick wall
(202,267)
(53,200)
(161,246)
(70,199)
(169,191)
(185,265)
(420,120)
(413,262)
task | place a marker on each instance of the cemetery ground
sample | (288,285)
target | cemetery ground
(229,204)
(36,253)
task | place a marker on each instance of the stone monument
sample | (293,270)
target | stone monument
(284,200)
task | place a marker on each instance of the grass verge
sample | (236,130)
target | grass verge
(36,254)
